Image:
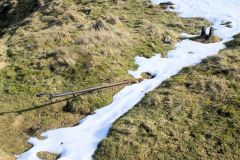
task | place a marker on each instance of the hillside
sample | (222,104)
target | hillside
(57,46)
(193,115)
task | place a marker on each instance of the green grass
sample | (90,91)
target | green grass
(55,46)
(193,115)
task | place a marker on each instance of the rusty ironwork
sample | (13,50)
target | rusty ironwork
(52,96)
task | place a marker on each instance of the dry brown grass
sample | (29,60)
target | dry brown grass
(47,155)
(3,49)
(2,65)
(5,156)
(105,38)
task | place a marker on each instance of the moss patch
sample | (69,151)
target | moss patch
(48,156)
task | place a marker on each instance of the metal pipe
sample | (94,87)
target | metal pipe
(85,90)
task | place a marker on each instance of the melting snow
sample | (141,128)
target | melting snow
(80,142)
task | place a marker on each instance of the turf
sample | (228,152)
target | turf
(58,46)
(193,115)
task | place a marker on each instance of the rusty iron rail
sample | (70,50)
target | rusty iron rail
(51,96)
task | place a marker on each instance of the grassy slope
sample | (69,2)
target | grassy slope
(57,46)
(193,115)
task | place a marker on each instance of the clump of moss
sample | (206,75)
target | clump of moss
(234,43)
(227,24)
(48,156)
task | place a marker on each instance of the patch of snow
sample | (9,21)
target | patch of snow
(165,44)
(187,35)
(80,142)
(177,59)
(169,9)
(217,11)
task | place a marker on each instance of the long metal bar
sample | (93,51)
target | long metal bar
(90,89)
(85,90)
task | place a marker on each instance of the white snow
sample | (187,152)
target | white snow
(217,11)
(80,142)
